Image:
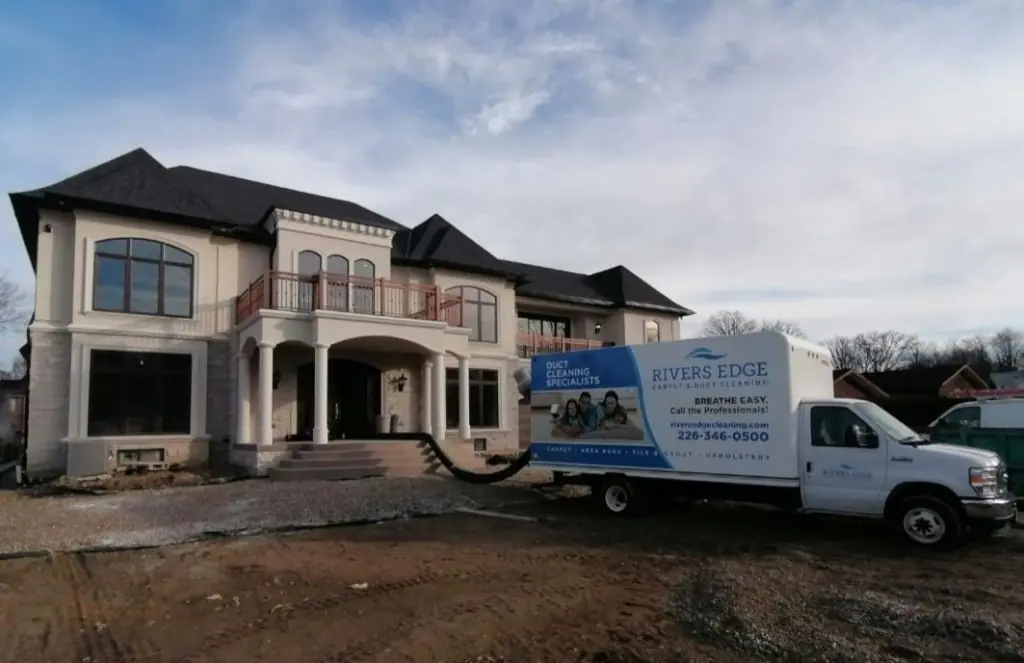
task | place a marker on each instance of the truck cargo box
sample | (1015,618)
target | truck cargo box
(719,407)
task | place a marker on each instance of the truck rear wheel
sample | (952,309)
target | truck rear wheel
(618,496)
(931,522)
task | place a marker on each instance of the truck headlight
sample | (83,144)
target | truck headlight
(985,481)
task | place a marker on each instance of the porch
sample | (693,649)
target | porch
(290,392)
(340,293)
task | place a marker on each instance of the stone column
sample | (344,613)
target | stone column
(428,414)
(440,413)
(464,431)
(266,414)
(243,410)
(320,394)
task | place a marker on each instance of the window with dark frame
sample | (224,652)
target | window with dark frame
(139,393)
(479,313)
(142,276)
(484,406)
(545,325)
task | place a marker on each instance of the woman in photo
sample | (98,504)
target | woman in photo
(570,424)
(613,415)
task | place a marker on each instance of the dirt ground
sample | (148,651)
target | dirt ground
(711,584)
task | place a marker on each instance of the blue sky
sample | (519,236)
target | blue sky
(847,164)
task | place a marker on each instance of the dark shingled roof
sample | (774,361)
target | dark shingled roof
(137,184)
(913,381)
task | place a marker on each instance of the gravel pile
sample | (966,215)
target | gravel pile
(173,515)
(807,623)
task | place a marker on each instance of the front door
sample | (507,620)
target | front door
(841,471)
(353,398)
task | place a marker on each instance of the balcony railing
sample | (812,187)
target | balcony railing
(528,345)
(285,291)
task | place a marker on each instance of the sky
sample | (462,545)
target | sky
(847,165)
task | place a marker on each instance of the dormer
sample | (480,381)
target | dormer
(309,243)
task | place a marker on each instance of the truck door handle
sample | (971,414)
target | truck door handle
(808,466)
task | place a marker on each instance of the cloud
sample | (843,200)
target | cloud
(844,164)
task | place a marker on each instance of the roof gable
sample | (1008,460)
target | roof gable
(436,241)
(917,381)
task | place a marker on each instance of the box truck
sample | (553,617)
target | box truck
(752,418)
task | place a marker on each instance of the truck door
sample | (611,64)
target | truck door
(843,461)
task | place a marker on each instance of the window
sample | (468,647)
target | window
(965,417)
(835,426)
(483,398)
(362,286)
(139,393)
(300,294)
(337,283)
(543,325)
(479,313)
(652,331)
(142,276)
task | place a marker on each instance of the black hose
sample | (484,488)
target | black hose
(517,466)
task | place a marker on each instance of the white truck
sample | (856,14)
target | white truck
(752,418)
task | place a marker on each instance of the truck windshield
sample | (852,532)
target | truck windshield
(890,425)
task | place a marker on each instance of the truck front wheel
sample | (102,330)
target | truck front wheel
(931,522)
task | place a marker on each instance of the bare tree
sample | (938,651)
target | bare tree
(844,353)
(729,323)
(922,354)
(13,304)
(971,351)
(16,371)
(871,351)
(1007,349)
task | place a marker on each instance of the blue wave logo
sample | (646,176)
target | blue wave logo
(845,466)
(704,353)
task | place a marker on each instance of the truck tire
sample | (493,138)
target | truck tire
(617,496)
(931,522)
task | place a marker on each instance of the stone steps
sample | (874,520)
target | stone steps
(355,459)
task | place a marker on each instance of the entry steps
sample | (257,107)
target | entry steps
(360,459)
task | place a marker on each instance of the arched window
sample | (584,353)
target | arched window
(142,276)
(338,265)
(300,293)
(363,286)
(479,313)
(652,331)
(337,283)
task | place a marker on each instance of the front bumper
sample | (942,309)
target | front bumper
(996,509)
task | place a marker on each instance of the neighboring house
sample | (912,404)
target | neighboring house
(945,381)
(851,384)
(176,305)
(12,412)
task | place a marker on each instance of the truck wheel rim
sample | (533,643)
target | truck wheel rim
(616,499)
(924,525)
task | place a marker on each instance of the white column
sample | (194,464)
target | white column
(320,395)
(464,432)
(266,394)
(440,424)
(428,413)
(243,411)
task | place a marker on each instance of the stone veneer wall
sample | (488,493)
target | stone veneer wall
(220,371)
(49,377)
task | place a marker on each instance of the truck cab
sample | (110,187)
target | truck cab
(857,459)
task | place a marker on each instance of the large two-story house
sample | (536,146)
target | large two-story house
(175,305)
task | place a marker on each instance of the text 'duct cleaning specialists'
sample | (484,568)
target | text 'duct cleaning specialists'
(708,407)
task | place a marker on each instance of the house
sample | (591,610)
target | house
(851,384)
(175,305)
(945,381)
(12,415)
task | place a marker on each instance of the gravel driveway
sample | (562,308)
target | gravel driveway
(172,515)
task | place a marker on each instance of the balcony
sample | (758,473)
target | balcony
(285,291)
(528,345)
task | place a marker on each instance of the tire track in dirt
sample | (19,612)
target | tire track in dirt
(539,591)
(85,617)
(278,621)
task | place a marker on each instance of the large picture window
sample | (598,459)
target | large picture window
(479,313)
(142,276)
(484,406)
(139,393)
